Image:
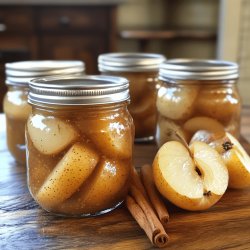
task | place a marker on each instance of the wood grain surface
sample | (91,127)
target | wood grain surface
(23,225)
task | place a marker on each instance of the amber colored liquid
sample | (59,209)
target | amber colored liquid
(17,111)
(142,107)
(107,185)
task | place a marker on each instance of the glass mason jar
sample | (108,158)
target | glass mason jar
(197,95)
(79,144)
(141,69)
(16,107)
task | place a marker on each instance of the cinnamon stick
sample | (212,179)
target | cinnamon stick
(159,206)
(139,216)
(160,237)
(137,182)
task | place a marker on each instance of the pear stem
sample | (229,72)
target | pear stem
(183,141)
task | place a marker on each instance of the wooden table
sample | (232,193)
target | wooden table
(23,225)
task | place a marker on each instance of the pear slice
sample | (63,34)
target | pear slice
(50,135)
(68,175)
(221,104)
(106,187)
(166,130)
(203,123)
(238,163)
(176,103)
(113,137)
(192,182)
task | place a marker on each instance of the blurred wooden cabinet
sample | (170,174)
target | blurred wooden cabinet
(39,32)
(59,32)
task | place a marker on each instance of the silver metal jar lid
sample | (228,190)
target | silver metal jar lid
(84,90)
(127,62)
(195,69)
(20,73)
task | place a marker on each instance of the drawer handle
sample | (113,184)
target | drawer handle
(3,27)
(64,21)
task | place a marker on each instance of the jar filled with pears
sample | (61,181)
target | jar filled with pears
(141,69)
(197,95)
(79,139)
(16,107)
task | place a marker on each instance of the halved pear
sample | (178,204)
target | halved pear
(238,163)
(234,155)
(68,175)
(203,123)
(193,179)
(176,103)
(166,130)
(50,135)
(215,140)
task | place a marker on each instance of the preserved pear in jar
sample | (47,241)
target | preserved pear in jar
(197,95)
(79,144)
(16,107)
(141,69)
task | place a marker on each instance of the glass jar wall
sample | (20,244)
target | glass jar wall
(79,144)
(141,69)
(16,107)
(17,110)
(197,95)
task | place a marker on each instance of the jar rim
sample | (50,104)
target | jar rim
(198,69)
(127,62)
(73,90)
(21,72)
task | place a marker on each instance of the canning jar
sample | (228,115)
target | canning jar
(79,144)
(197,95)
(141,69)
(15,104)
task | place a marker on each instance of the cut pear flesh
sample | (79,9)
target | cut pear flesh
(177,179)
(176,103)
(214,140)
(68,175)
(50,135)
(211,166)
(238,163)
(205,136)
